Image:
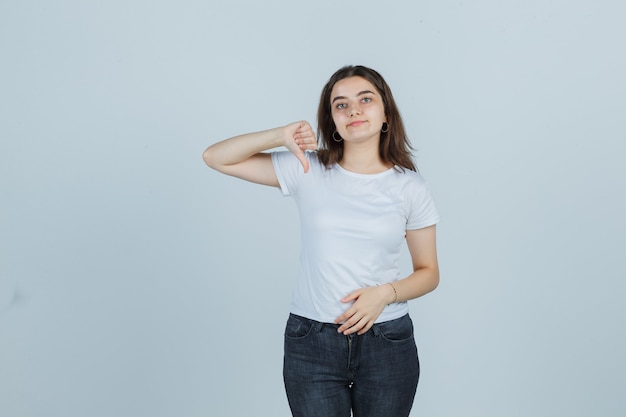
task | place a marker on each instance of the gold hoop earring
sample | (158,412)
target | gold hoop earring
(335,137)
(385,127)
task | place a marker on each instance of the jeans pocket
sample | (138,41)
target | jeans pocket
(397,330)
(298,327)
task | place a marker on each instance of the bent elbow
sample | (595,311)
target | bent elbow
(208,156)
(431,281)
(435,280)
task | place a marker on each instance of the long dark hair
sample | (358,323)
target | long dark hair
(394,147)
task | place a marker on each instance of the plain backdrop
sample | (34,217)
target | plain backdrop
(134,281)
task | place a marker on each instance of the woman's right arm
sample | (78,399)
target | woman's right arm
(243,156)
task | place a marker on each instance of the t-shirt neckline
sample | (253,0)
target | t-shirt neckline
(359,175)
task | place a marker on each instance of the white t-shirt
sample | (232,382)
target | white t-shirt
(353,227)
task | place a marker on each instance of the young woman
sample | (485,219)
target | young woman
(349,344)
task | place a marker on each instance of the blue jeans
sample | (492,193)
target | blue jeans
(328,374)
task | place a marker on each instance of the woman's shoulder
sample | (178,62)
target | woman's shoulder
(412,183)
(409,175)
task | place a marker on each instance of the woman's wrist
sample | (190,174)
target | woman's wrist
(395,292)
(392,293)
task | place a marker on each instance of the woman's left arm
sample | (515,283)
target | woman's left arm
(425,277)
(369,302)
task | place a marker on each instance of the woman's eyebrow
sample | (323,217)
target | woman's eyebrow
(360,94)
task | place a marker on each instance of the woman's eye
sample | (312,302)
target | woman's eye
(366,99)
(341,106)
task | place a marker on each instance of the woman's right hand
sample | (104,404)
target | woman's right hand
(244,156)
(299,137)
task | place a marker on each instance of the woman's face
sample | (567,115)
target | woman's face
(357,109)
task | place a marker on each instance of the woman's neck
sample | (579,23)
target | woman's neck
(362,159)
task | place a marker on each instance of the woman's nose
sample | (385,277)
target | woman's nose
(354,110)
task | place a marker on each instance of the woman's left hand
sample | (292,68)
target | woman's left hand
(369,302)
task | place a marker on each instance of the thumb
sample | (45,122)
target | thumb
(305,162)
(302,158)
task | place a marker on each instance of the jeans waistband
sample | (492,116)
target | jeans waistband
(317,326)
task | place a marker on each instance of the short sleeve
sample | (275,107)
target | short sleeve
(422,211)
(288,169)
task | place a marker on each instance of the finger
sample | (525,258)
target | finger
(366,328)
(303,135)
(351,297)
(349,323)
(346,314)
(304,125)
(308,147)
(357,327)
(344,317)
(304,131)
(307,144)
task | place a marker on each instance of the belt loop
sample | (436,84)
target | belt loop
(317,326)
(376,329)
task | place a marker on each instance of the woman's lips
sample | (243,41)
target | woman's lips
(356,123)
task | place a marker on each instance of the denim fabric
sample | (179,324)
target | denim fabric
(328,374)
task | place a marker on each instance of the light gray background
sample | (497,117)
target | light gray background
(134,281)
